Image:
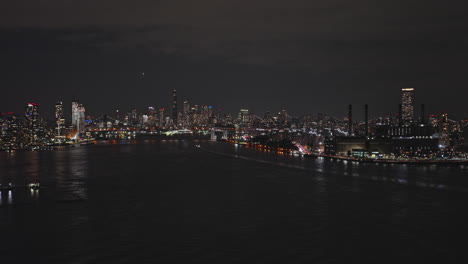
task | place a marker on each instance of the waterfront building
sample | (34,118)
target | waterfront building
(161,117)
(31,124)
(59,120)
(244,117)
(75,114)
(81,119)
(407,110)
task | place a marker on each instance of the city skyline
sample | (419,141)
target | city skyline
(407,109)
(208,131)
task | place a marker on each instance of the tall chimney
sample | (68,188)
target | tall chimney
(423,114)
(175,113)
(366,117)
(350,120)
(400,115)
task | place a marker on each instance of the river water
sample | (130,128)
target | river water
(157,201)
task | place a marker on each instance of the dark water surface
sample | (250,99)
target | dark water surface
(170,202)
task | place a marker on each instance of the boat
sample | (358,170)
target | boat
(34,186)
(313,156)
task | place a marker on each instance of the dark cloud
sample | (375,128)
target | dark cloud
(284,54)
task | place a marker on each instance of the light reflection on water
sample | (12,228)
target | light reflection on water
(433,176)
(146,202)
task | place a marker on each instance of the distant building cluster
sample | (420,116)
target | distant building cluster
(401,134)
(404,136)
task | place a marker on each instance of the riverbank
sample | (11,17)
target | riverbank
(400,161)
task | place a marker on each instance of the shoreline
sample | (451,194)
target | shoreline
(393,161)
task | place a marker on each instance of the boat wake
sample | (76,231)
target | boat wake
(320,173)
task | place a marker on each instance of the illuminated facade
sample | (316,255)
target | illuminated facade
(31,128)
(186,117)
(78,117)
(60,119)
(81,119)
(244,117)
(161,117)
(407,110)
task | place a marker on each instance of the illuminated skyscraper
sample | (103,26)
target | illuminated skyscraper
(32,115)
(407,105)
(81,119)
(31,123)
(74,113)
(161,117)
(78,117)
(186,117)
(60,119)
(244,117)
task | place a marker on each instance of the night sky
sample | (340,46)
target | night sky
(265,55)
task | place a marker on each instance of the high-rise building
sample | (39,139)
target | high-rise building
(244,117)
(60,119)
(81,119)
(174,108)
(31,115)
(78,117)
(186,115)
(75,114)
(407,105)
(151,116)
(161,117)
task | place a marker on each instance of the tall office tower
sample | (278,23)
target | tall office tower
(407,105)
(244,117)
(80,126)
(32,115)
(444,131)
(74,114)
(31,122)
(59,118)
(194,115)
(186,114)
(211,116)
(174,108)
(161,117)
(151,115)
(350,120)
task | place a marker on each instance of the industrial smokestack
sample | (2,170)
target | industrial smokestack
(400,115)
(366,117)
(423,114)
(350,120)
